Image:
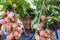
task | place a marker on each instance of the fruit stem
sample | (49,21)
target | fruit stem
(10,2)
(42,7)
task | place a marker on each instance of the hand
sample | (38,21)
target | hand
(39,27)
(42,38)
(36,36)
(8,37)
(52,37)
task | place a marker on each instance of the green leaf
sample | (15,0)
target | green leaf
(3,8)
(34,21)
(10,2)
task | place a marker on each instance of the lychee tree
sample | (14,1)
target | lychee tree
(49,8)
(18,6)
(16,9)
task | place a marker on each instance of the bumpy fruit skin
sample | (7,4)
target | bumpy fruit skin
(20,31)
(14,25)
(14,5)
(48,31)
(7,20)
(16,34)
(2,21)
(3,14)
(19,23)
(9,23)
(11,34)
(13,19)
(46,35)
(8,26)
(11,15)
(43,17)
(42,33)
(8,12)
(17,15)
(8,37)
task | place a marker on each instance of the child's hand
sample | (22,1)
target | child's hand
(39,27)
(37,37)
(42,38)
(52,37)
(8,37)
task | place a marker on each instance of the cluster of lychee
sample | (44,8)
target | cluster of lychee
(8,22)
(43,34)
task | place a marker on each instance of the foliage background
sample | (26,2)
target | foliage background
(50,8)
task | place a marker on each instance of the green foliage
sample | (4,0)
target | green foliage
(21,8)
(50,8)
